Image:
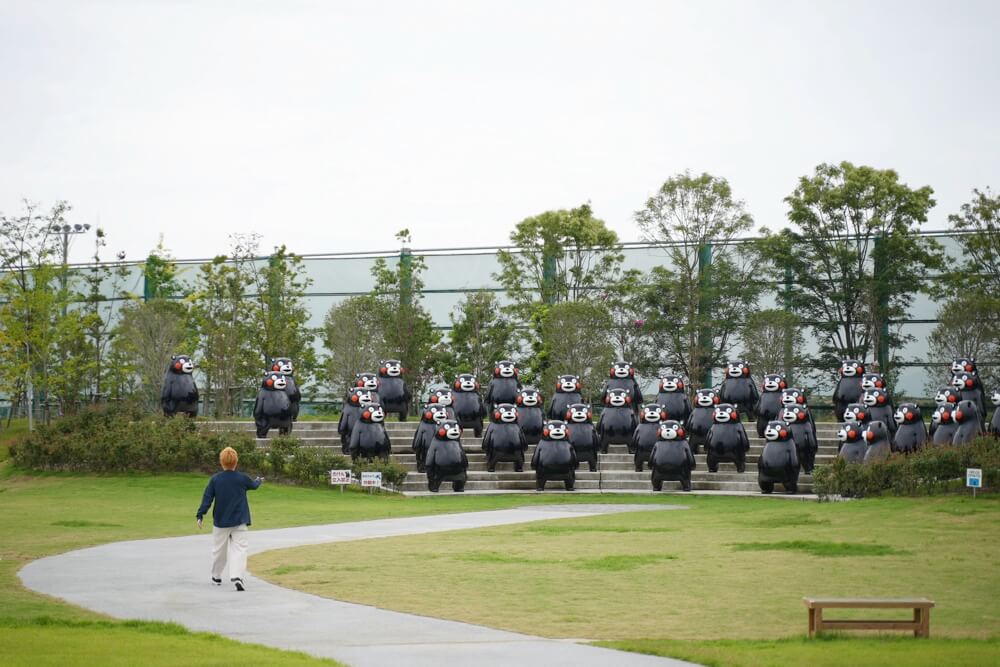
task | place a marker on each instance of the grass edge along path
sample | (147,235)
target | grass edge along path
(831,650)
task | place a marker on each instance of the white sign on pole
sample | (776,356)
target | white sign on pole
(371,479)
(974,478)
(340,477)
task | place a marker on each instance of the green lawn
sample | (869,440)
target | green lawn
(727,569)
(640,578)
(44,514)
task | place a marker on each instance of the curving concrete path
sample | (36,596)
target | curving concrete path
(168,580)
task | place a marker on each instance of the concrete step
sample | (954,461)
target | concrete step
(594,485)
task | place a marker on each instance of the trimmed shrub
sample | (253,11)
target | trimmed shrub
(393,474)
(931,470)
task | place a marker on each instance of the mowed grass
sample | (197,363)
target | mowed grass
(728,568)
(44,514)
(831,651)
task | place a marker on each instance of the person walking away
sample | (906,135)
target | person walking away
(230,518)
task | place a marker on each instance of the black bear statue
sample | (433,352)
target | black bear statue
(739,389)
(911,432)
(368,437)
(769,404)
(778,462)
(367,381)
(567,391)
(273,408)
(673,398)
(700,421)
(358,398)
(856,413)
(878,446)
(529,414)
(469,407)
(285,366)
(852,442)
(505,384)
(880,408)
(970,388)
(969,425)
(727,439)
(583,434)
(671,459)
(445,398)
(848,389)
(393,392)
(446,459)
(554,457)
(179,392)
(618,419)
(646,433)
(621,375)
(943,424)
(803,431)
(503,440)
(432,416)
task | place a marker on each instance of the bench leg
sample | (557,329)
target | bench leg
(922,617)
(812,622)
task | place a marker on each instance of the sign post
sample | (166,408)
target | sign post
(974,479)
(371,480)
(340,478)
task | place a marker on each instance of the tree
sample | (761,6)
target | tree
(352,335)
(159,273)
(480,336)
(773,342)
(408,332)
(968,326)
(280,312)
(148,333)
(979,220)
(855,257)
(574,340)
(699,299)
(33,298)
(564,255)
(628,308)
(226,326)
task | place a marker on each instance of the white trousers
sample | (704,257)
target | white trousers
(230,545)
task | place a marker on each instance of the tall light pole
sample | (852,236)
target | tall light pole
(66,229)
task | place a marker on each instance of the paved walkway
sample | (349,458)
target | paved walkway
(167,580)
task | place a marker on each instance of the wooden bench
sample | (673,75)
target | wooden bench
(921,623)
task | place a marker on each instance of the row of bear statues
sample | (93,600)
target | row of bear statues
(664,433)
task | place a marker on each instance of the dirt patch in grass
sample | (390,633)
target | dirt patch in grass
(819,548)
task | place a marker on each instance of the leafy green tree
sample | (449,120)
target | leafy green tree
(408,332)
(280,312)
(855,257)
(698,300)
(773,342)
(481,334)
(628,307)
(564,255)
(968,326)
(33,298)
(148,333)
(227,333)
(352,336)
(160,275)
(574,339)
(979,222)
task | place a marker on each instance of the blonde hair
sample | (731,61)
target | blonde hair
(228,458)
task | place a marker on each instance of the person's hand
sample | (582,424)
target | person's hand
(260,479)
(199,524)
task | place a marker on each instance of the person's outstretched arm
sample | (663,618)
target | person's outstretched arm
(206,501)
(252,484)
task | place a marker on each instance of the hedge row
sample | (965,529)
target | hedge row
(931,470)
(121,440)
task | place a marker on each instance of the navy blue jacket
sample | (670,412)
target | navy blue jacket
(229,490)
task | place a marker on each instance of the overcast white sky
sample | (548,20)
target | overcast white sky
(328,126)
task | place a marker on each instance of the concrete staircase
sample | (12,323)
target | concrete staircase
(616,470)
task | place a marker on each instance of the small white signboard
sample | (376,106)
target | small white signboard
(340,477)
(974,478)
(371,480)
